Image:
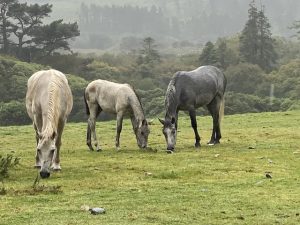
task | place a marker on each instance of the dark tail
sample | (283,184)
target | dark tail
(86,105)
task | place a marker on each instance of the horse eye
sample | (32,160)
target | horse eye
(39,150)
(52,151)
(142,133)
(173,131)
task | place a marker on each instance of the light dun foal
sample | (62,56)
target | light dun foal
(49,102)
(119,99)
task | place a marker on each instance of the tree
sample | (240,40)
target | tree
(148,53)
(55,36)
(208,55)
(249,36)
(26,19)
(296,26)
(4,23)
(266,54)
(256,42)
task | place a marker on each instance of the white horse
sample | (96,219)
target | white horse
(48,102)
(119,99)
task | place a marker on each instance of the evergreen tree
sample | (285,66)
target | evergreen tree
(55,36)
(221,54)
(249,37)
(26,19)
(266,54)
(148,52)
(208,55)
(5,23)
(256,42)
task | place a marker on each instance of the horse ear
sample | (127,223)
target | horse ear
(173,120)
(161,121)
(53,135)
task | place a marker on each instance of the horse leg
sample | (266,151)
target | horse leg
(89,137)
(56,158)
(119,129)
(95,110)
(194,125)
(214,109)
(36,121)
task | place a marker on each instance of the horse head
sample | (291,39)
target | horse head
(170,132)
(142,133)
(46,149)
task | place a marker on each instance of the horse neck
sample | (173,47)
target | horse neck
(171,103)
(137,110)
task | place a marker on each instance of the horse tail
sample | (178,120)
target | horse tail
(86,105)
(221,109)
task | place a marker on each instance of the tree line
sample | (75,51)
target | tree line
(24,35)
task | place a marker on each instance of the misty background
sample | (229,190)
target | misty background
(120,25)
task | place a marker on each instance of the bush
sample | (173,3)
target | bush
(6,163)
(13,113)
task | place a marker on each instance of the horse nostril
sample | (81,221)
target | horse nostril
(44,174)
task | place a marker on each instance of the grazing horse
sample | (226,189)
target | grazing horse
(187,91)
(48,102)
(119,99)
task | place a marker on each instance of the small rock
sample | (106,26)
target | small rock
(217,155)
(268,175)
(84,208)
(270,161)
(148,174)
(241,217)
(96,211)
(251,147)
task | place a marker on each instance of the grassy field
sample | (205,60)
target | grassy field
(224,184)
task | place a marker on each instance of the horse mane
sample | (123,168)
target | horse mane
(170,99)
(53,106)
(138,97)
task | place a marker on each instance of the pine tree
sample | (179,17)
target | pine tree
(208,55)
(256,42)
(266,54)
(249,37)
(5,25)
(149,54)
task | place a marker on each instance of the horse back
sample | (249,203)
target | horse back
(39,88)
(199,87)
(111,97)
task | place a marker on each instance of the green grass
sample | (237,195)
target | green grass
(223,184)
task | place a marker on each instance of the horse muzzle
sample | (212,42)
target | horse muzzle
(170,148)
(44,174)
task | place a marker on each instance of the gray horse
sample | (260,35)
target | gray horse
(187,91)
(49,102)
(119,99)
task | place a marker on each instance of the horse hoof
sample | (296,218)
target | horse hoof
(99,150)
(56,168)
(197,145)
(211,143)
(170,151)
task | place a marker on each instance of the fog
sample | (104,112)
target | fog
(194,21)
